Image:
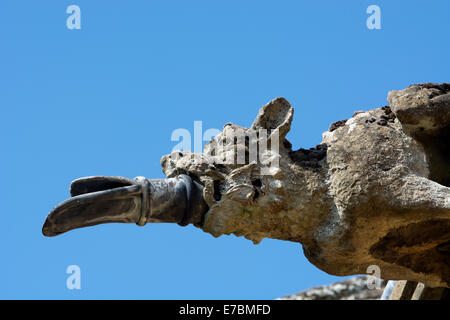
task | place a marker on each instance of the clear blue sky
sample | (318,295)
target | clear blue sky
(105,99)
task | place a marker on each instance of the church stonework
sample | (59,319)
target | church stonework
(374,192)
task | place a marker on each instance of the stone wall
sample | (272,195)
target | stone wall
(350,289)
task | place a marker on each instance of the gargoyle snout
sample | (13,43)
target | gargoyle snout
(97,200)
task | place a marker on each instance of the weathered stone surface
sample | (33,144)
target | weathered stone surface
(373,193)
(423,107)
(424,112)
(350,289)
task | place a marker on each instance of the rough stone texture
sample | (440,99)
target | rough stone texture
(424,112)
(351,289)
(374,192)
(423,107)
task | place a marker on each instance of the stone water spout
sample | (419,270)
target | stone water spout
(375,192)
(100,199)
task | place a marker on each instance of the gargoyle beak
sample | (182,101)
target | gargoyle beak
(97,200)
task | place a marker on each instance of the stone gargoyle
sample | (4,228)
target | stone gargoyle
(374,192)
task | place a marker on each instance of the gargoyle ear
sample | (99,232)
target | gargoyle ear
(97,183)
(277,114)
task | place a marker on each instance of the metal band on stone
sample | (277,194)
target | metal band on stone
(188,211)
(145,203)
